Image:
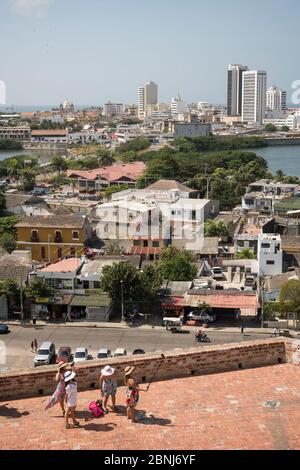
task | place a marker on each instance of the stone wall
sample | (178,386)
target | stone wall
(210,359)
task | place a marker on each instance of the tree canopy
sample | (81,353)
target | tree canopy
(215,229)
(177,265)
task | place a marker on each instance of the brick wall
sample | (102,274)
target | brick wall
(211,359)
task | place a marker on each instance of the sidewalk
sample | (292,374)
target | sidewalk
(119,325)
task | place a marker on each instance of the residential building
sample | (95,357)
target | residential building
(178,108)
(22,133)
(235,89)
(290,121)
(261,196)
(254,96)
(191,129)
(147,95)
(113,109)
(276,99)
(52,237)
(270,254)
(95,180)
(61,275)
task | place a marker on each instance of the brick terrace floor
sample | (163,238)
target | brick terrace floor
(223,411)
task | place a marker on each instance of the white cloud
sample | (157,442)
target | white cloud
(31,7)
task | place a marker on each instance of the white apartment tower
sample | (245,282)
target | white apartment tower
(147,95)
(276,99)
(235,89)
(178,108)
(254,96)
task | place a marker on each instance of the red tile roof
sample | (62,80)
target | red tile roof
(58,132)
(65,266)
(131,171)
(138,250)
(223,299)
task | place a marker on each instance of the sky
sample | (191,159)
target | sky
(91,51)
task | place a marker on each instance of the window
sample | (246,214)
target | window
(271,263)
(136,243)
(265,245)
(145,243)
(75,235)
(155,244)
(43,252)
(193,215)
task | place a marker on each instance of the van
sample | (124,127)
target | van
(45,354)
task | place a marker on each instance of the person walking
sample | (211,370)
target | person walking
(71,398)
(132,393)
(108,386)
(32,346)
(35,345)
(242,328)
(60,391)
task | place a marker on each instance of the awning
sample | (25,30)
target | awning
(173,302)
(223,300)
(90,301)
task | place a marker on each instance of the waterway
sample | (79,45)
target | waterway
(44,156)
(282,157)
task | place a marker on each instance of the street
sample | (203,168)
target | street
(18,341)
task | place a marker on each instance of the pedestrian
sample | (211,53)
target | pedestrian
(60,391)
(32,346)
(242,328)
(108,386)
(35,345)
(132,393)
(71,398)
(275,332)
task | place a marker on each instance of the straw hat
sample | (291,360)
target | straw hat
(69,375)
(129,370)
(61,365)
(107,371)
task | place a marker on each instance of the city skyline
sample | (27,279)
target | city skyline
(71,50)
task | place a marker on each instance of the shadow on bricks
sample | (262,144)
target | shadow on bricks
(10,412)
(105,427)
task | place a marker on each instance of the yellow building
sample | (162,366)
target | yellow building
(52,237)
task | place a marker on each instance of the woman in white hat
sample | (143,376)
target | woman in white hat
(132,392)
(108,386)
(60,391)
(71,397)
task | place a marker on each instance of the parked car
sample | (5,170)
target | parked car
(138,351)
(64,354)
(197,315)
(120,352)
(45,354)
(4,329)
(250,283)
(217,273)
(103,353)
(81,355)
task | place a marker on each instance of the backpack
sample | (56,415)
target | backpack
(96,408)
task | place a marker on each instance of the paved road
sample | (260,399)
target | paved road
(19,356)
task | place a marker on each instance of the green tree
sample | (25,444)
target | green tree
(177,265)
(246,254)
(112,276)
(215,229)
(8,242)
(285,129)
(8,225)
(290,295)
(151,280)
(2,201)
(59,164)
(105,158)
(271,128)
(138,144)
(28,176)
(14,169)
(38,287)
(9,288)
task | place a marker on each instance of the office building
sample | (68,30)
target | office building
(147,95)
(276,99)
(254,96)
(234,93)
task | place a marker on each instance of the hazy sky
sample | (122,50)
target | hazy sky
(91,51)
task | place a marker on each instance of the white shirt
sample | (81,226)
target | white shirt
(71,390)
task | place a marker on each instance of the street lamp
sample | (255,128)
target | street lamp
(122,299)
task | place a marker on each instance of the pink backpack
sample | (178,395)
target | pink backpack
(95,409)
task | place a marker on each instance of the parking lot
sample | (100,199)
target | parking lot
(18,342)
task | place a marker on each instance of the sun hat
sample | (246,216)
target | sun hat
(62,364)
(69,375)
(129,370)
(107,371)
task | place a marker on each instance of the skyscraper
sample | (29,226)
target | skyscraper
(234,93)
(254,96)
(147,95)
(276,99)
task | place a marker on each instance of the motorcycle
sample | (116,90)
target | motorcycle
(202,339)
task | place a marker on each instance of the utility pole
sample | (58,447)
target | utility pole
(21,298)
(49,252)
(262,301)
(122,300)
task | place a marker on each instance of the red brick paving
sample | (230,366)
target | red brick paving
(224,411)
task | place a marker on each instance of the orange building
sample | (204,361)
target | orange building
(53,237)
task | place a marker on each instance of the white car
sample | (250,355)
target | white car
(81,355)
(103,353)
(200,316)
(217,273)
(120,352)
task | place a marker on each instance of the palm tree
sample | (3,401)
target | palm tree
(14,169)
